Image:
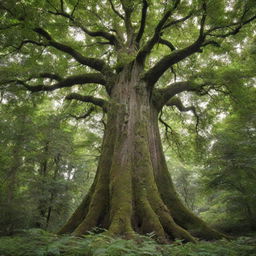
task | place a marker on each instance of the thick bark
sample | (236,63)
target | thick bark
(133,192)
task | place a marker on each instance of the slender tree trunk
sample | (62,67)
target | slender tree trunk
(52,193)
(12,177)
(132,191)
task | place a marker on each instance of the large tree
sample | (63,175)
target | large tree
(127,53)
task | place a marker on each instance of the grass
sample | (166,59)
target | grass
(36,242)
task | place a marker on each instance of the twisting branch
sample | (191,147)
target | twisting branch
(233,28)
(61,5)
(100,33)
(175,22)
(162,96)
(128,10)
(170,130)
(85,115)
(115,11)
(94,63)
(84,98)
(49,2)
(142,21)
(46,75)
(203,20)
(67,82)
(175,101)
(157,33)
(167,43)
(153,74)
(167,126)
(24,42)
(74,9)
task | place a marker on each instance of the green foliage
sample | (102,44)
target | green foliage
(37,242)
(230,166)
(43,171)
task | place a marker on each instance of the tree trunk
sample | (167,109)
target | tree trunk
(132,191)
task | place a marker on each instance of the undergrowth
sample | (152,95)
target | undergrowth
(36,242)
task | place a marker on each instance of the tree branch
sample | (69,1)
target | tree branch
(167,43)
(175,101)
(67,82)
(235,27)
(203,20)
(162,96)
(115,11)
(85,115)
(100,33)
(128,9)
(142,21)
(153,74)
(175,22)
(96,101)
(94,63)
(157,33)
(29,42)
(51,76)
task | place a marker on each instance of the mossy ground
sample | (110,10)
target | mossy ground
(37,242)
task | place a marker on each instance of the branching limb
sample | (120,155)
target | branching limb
(115,11)
(24,42)
(50,76)
(233,28)
(167,126)
(61,5)
(85,115)
(157,33)
(96,101)
(169,130)
(100,33)
(142,21)
(153,74)
(203,20)
(128,10)
(175,101)
(167,43)
(162,96)
(46,75)
(175,22)
(67,82)
(94,63)
(75,7)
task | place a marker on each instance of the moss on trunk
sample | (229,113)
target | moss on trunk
(133,192)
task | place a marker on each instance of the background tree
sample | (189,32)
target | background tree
(128,57)
(41,167)
(230,165)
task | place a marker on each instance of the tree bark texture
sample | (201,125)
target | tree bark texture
(132,191)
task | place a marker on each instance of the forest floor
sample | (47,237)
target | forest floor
(36,242)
